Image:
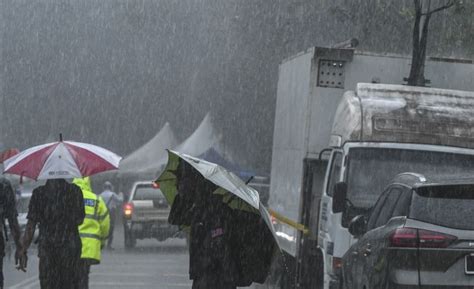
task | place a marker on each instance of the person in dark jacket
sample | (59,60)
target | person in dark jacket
(8,211)
(58,208)
(212,265)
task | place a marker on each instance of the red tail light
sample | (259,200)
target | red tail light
(128,210)
(430,239)
(273,219)
(336,263)
(413,238)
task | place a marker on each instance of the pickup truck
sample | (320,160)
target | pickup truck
(146,215)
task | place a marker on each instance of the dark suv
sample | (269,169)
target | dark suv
(420,234)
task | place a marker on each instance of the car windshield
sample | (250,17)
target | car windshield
(448,206)
(371,169)
(147,192)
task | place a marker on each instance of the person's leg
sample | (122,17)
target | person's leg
(49,272)
(70,264)
(82,280)
(86,276)
(112,227)
(2,255)
(1,273)
(198,283)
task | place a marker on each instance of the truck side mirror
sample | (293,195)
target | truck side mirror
(358,226)
(339,197)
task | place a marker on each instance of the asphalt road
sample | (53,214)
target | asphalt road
(151,264)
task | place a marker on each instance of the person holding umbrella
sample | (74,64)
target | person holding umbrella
(211,263)
(58,206)
(232,239)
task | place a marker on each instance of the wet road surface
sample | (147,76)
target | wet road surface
(151,264)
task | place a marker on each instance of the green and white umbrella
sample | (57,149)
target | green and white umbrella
(235,193)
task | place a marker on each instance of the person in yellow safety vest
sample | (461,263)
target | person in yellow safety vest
(93,231)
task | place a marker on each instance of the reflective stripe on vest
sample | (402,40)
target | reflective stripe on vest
(92,236)
(96,217)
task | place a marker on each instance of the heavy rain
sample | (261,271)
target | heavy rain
(236,143)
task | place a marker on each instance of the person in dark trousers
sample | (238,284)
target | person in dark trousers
(58,208)
(8,211)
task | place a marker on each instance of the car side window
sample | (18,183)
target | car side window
(388,207)
(335,172)
(403,204)
(376,210)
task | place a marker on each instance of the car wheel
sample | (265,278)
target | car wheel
(129,239)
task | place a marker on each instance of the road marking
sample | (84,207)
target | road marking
(119,284)
(25,282)
(120,274)
(178,285)
(176,275)
(153,261)
(33,285)
(104,267)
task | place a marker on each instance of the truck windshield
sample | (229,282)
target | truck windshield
(371,169)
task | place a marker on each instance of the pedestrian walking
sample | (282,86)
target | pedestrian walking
(211,260)
(8,211)
(212,263)
(232,240)
(58,208)
(113,202)
(93,231)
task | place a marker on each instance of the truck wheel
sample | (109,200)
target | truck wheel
(129,240)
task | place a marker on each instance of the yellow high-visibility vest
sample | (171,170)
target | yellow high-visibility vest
(95,228)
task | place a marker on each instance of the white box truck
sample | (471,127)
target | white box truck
(344,126)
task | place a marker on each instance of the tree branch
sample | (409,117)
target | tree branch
(443,7)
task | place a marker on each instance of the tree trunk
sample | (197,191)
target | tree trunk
(420,40)
(417,77)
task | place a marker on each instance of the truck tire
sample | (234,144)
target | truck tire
(129,240)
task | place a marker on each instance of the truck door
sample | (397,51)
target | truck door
(308,253)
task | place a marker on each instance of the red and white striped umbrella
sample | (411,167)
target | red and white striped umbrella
(61,160)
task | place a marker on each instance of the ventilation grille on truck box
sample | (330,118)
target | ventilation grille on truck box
(331,73)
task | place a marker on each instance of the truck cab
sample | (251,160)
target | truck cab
(379,132)
(344,126)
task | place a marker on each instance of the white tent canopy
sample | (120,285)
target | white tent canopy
(201,140)
(145,159)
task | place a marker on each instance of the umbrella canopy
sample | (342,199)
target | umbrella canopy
(61,160)
(254,240)
(229,185)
